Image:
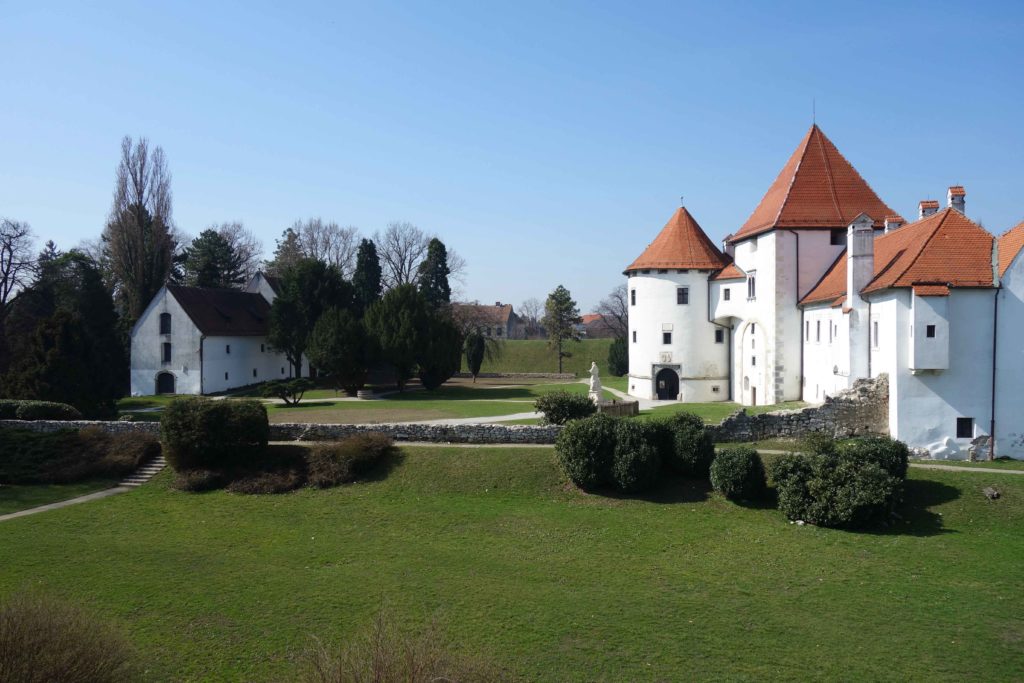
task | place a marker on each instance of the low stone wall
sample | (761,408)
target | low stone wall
(473,433)
(561,376)
(860,410)
(619,408)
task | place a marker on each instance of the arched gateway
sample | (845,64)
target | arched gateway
(165,383)
(666,384)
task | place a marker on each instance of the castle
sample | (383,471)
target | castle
(825,284)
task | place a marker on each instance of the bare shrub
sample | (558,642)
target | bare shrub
(42,640)
(383,654)
(339,462)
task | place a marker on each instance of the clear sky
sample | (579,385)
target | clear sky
(546,142)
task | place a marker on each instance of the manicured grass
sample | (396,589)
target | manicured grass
(16,498)
(140,402)
(620,383)
(993,464)
(715,412)
(554,584)
(534,355)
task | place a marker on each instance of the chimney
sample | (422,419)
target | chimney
(956,197)
(860,256)
(892,223)
(927,207)
(498,304)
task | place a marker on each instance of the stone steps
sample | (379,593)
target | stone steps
(145,472)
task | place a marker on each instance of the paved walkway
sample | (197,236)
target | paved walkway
(105,493)
(955,468)
(493,419)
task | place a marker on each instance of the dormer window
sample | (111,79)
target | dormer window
(165,323)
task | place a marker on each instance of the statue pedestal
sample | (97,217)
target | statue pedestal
(595,396)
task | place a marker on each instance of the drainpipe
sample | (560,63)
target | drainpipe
(202,373)
(995,338)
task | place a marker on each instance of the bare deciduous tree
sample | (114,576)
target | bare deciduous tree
(247,248)
(16,262)
(531,312)
(614,311)
(402,248)
(139,240)
(329,242)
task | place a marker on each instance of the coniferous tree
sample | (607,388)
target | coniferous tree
(440,351)
(561,316)
(433,275)
(367,277)
(340,348)
(618,357)
(400,323)
(287,253)
(210,261)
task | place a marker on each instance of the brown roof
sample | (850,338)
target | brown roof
(929,203)
(957,190)
(946,249)
(730,272)
(480,314)
(817,188)
(224,312)
(1009,246)
(931,290)
(680,244)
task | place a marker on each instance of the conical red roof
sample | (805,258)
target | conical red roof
(680,244)
(817,188)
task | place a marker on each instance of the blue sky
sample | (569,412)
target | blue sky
(547,143)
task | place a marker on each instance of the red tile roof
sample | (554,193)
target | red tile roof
(817,188)
(957,191)
(931,290)
(224,312)
(730,272)
(680,244)
(896,218)
(480,314)
(944,250)
(588,318)
(1010,244)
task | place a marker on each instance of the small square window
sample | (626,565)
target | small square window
(719,336)
(965,428)
(254,372)
(714,389)
(726,294)
(632,297)
(282,371)
(497,331)
(682,295)
(753,360)
(666,337)
(262,348)
(662,271)
(929,331)
(227,349)
(225,375)
(838,237)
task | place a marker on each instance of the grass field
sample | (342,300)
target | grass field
(15,498)
(715,412)
(988,464)
(534,355)
(553,584)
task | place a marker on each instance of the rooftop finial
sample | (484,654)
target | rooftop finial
(681,201)
(814,112)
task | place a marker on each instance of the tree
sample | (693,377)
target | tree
(308,288)
(402,247)
(432,275)
(16,268)
(138,239)
(618,357)
(440,350)
(248,249)
(399,323)
(367,277)
(287,253)
(479,347)
(561,316)
(63,335)
(210,261)
(614,312)
(328,242)
(531,312)
(339,347)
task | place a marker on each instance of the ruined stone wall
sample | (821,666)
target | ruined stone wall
(619,408)
(860,410)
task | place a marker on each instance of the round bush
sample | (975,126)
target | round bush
(199,433)
(585,449)
(46,410)
(692,449)
(790,473)
(637,459)
(889,454)
(738,474)
(559,407)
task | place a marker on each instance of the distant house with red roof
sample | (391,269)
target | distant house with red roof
(499,321)
(825,284)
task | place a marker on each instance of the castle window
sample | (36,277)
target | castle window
(838,237)
(497,331)
(262,348)
(829,331)
(719,336)
(682,295)
(753,360)
(929,331)
(282,371)
(807,331)
(254,372)
(166,351)
(666,337)
(227,349)
(725,294)
(662,271)
(817,331)
(634,336)
(165,323)
(965,428)
(225,376)
(752,285)
(874,334)
(632,297)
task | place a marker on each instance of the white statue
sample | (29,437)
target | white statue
(595,383)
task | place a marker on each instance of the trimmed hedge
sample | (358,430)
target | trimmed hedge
(200,433)
(341,462)
(560,407)
(37,410)
(66,456)
(585,451)
(692,449)
(637,456)
(889,454)
(738,474)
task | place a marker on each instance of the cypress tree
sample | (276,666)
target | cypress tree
(433,275)
(367,278)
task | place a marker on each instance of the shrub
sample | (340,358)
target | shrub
(386,655)
(197,481)
(290,391)
(636,459)
(819,443)
(889,454)
(45,410)
(618,357)
(559,407)
(65,456)
(9,409)
(267,482)
(333,463)
(790,473)
(692,448)
(199,433)
(49,640)
(585,451)
(738,474)
(127,450)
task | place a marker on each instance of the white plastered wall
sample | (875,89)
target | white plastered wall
(147,348)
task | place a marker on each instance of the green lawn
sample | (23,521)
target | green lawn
(534,355)
(553,584)
(15,498)
(715,412)
(993,464)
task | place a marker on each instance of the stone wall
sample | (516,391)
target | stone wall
(115,427)
(619,408)
(561,376)
(860,410)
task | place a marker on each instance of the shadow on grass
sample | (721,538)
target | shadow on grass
(917,519)
(385,466)
(305,404)
(670,489)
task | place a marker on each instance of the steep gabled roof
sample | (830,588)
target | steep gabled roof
(224,312)
(730,272)
(480,314)
(817,188)
(1010,244)
(944,250)
(680,244)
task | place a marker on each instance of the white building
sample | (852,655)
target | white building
(193,340)
(823,285)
